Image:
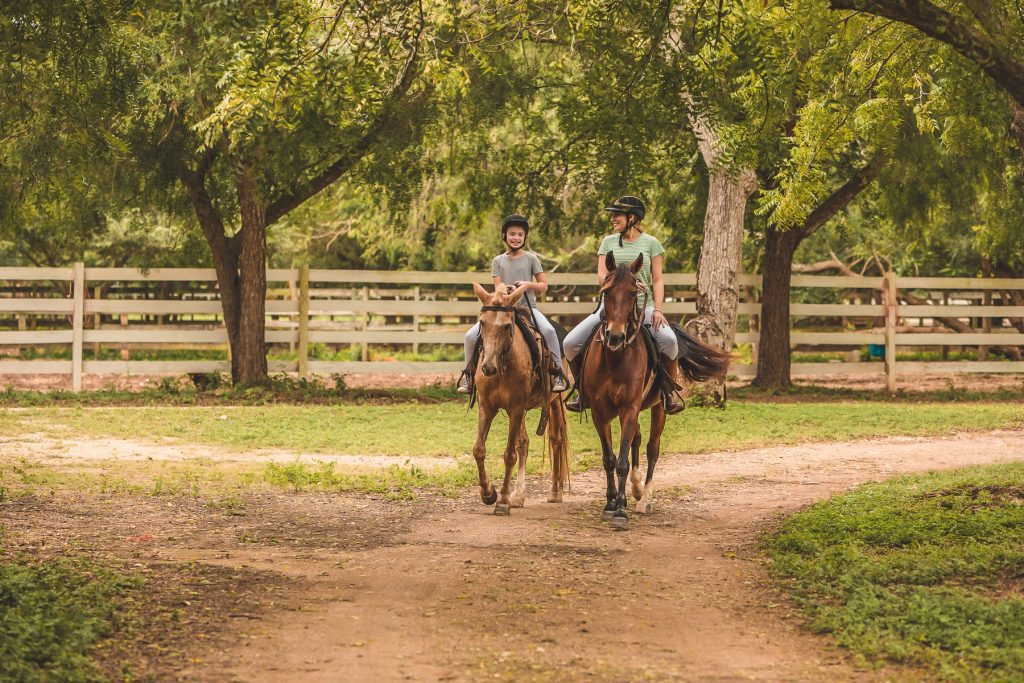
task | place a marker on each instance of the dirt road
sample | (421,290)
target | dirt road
(331,588)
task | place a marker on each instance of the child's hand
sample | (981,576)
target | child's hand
(520,283)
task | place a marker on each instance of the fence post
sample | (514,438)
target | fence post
(77,323)
(416,320)
(890,331)
(303,320)
(365,356)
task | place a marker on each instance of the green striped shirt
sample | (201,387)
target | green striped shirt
(627,253)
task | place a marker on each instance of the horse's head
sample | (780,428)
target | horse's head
(621,316)
(497,327)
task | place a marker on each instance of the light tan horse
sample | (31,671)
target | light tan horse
(506,379)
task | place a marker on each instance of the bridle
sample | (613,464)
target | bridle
(503,358)
(633,321)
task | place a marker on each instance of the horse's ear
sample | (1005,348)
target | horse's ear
(481,293)
(516,295)
(637,265)
(609,262)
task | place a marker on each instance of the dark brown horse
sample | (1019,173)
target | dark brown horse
(619,381)
(507,378)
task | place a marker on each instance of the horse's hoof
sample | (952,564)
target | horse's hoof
(518,502)
(645,508)
(620,521)
(606,515)
(555,497)
(502,509)
(489,500)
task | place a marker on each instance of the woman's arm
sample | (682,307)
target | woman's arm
(658,318)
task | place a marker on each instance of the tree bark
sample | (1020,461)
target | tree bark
(773,359)
(225,254)
(721,248)
(249,360)
(773,353)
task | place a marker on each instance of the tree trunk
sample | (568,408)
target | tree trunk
(721,249)
(773,359)
(225,254)
(249,357)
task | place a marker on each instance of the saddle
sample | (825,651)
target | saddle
(656,374)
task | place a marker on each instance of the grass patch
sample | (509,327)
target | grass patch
(448,429)
(53,615)
(182,391)
(925,570)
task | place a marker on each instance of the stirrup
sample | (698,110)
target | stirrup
(671,405)
(575,405)
(558,384)
(463,387)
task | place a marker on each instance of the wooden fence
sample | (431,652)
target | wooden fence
(125,308)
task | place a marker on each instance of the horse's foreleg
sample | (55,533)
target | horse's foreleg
(485,416)
(653,452)
(604,432)
(515,427)
(635,479)
(522,450)
(630,428)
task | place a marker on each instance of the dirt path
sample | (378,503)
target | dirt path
(443,590)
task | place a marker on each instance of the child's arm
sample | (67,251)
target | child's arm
(540,286)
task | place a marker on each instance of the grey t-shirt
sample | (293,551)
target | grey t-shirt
(512,270)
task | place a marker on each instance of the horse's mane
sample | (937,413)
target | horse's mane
(622,271)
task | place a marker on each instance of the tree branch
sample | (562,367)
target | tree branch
(386,118)
(950,29)
(843,196)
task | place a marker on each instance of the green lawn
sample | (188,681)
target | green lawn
(449,429)
(925,570)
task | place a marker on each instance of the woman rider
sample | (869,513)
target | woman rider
(626,243)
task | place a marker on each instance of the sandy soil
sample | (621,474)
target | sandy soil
(312,587)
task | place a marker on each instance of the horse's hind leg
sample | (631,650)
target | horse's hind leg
(483,425)
(515,428)
(635,479)
(522,450)
(646,503)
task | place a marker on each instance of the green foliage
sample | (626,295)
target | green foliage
(52,616)
(920,570)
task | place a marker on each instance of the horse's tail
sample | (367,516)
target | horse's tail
(558,447)
(698,361)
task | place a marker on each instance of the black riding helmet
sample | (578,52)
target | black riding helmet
(629,205)
(514,219)
(632,207)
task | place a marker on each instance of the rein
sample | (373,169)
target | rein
(634,319)
(503,358)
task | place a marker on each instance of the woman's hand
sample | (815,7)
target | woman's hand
(658,319)
(640,286)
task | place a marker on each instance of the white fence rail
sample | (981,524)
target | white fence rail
(162,308)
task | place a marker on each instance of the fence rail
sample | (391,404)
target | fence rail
(129,308)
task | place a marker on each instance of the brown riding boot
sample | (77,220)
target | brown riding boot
(672,406)
(576,405)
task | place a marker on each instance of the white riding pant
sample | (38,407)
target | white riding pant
(664,336)
(544,326)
